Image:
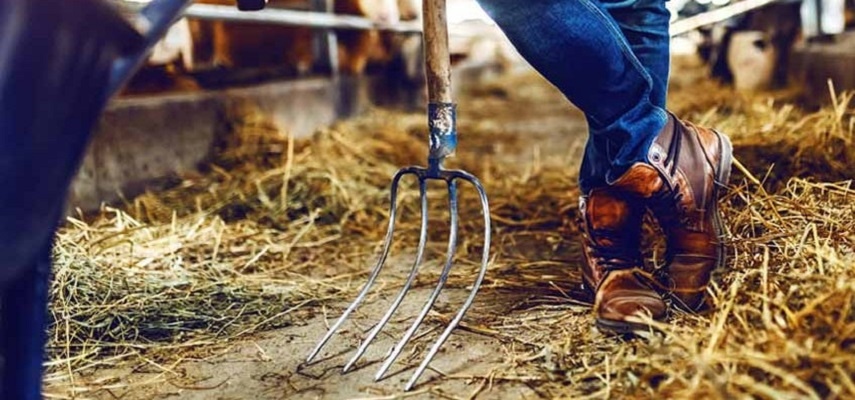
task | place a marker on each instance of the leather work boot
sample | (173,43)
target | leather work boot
(687,167)
(694,163)
(622,290)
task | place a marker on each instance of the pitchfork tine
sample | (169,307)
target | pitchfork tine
(452,248)
(485,259)
(410,279)
(442,130)
(393,211)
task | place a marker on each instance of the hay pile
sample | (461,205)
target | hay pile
(270,234)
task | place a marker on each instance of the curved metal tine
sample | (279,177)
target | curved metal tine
(485,258)
(452,248)
(410,279)
(393,211)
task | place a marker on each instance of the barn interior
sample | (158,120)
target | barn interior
(235,195)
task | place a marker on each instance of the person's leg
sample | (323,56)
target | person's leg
(636,152)
(645,25)
(693,161)
(580,49)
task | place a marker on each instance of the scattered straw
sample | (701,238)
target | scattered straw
(277,229)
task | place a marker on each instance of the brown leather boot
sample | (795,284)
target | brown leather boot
(611,230)
(688,166)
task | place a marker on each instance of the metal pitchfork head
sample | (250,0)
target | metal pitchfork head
(442,120)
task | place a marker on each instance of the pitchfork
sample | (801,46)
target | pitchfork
(442,118)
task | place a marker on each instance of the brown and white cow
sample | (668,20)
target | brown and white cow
(219,53)
(289,49)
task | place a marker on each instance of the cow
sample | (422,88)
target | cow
(218,53)
(266,48)
(251,51)
(357,48)
(775,29)
(167,67)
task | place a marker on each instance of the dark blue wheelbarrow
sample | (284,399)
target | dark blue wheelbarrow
(60,62)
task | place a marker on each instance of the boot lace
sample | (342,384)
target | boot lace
(669,201)
(610,257)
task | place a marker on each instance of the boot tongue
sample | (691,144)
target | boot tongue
(607,213)
(640,179)
(644,179)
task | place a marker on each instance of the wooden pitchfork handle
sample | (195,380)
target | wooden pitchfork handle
(442,112)
(437,59)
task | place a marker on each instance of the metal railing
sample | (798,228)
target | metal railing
(686,25)
(280,16)
(322,18)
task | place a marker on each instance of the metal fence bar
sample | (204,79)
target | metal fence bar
(685,25)
(269,15)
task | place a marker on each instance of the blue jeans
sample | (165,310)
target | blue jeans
(608,57)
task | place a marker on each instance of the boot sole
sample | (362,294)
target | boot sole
(622,328)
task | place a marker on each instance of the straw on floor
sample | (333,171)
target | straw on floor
(271,231)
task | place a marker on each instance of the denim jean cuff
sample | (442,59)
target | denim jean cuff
(639,132)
